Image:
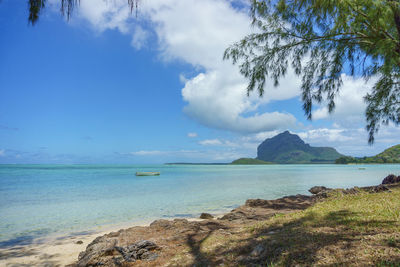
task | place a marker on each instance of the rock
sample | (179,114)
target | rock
(104,252)
(391,179)
(318,189)
(233,215)
(380,188)
(322,195)
(206,216)
(257,251)
(79,242)
(144,244)
(161,224)
(349,191)
(288,202)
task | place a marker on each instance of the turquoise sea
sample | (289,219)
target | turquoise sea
(41,200)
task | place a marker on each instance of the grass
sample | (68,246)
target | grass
(345,230)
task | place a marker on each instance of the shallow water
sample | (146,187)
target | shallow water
(39,200)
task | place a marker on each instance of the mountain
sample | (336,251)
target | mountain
(390,155)
(288,148)
(249,161)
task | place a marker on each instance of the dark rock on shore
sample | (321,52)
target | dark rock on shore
(138,251)
(206,216)
(261,209)
(318,189)
(288,202)
(105,251)
(391,179)
(380,188)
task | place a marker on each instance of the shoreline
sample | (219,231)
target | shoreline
(62,250)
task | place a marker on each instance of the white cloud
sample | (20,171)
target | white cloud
(198,32)
(352,141)
(192,135)
(218,99)
(147,153)
(210,142)
(2,152)
(104,15)
(187,155)
(327,135)
(350,105)
(139,37)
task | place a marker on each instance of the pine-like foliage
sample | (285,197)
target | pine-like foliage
(321,39)
(67,7)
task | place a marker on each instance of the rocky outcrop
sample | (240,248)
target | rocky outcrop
(206,216)
(261,209)
(391,179)
(318,189)
(105,251)
(380,188)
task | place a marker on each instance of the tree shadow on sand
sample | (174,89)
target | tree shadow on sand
(16,253)
(297,242)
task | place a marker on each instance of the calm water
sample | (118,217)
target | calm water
(38,200)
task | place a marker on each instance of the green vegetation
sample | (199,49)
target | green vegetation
(319,40)
(67,7)
(390,155)
(287,148)
(345,230)
(249,161)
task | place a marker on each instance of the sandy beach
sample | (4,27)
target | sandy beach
(50,251)
(58,250)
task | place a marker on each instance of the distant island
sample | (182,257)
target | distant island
(250,161)
(194,163)
(390,155)
(287,148)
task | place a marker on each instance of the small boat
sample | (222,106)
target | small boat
(147,173)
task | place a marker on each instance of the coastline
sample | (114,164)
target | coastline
(64,249)
(167,234)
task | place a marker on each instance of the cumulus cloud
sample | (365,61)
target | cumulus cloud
(211,142)
(352,141)
(218,99)
(197,33)
(104,15)
(139,38)
(350,104)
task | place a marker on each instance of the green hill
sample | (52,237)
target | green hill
(288,148)
(249,161)
(390,155)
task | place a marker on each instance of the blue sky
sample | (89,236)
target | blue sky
(109,87)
